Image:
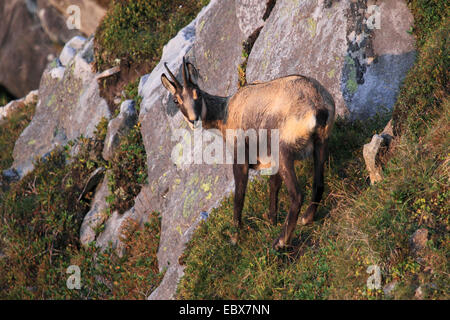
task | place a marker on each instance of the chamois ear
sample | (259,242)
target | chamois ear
(193,73)
(169,85)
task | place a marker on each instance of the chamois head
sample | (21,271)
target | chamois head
(187,96)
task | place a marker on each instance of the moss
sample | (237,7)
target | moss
(351,85)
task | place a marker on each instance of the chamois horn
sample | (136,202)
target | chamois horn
(177,83)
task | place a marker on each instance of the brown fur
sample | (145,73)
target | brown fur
(299,107)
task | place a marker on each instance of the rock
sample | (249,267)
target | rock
(29,31)
(96,215)
(70,50)
(90,13)
(31,97)
(179,193)
(67,108)
(370,152)
(118,127)
(67,54)
(77,42)
(217,52)
(14,105)
(93,181)
(54,25)
(418,243)
(57,72)
(23,48)
(115,227)
(10,175)
(361,68)
(10,108)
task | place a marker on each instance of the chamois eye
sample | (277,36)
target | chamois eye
(175,100)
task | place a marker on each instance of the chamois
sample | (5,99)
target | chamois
(298,106)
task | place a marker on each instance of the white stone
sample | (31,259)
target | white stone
(67,54)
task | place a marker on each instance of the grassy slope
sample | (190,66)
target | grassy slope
(359,225)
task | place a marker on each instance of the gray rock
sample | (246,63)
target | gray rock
(31,97)
(217,51)
(29,31)
(77,42)
(70,50)
(118,127)
(361,68)
(67,108)
(54,25)
(96,216)
(58,72)
(10,108)
(10,175)
(24,48)
(370,151)
(423,290)
(91,13)
(92,182)
(67,54)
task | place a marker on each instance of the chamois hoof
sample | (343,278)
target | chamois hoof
(308,217)
(278,244)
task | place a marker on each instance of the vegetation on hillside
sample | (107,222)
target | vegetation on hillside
(136,31)
(42,214)
(358,225)
(41,217)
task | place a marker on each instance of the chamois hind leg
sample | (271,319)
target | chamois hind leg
(275,185)
(287,172)
(320,156)
(240,172)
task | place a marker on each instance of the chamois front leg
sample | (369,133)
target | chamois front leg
(240,172)
(287,172)
(320,156)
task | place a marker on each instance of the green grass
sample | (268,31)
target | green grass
(136,31)
(358,225)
